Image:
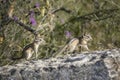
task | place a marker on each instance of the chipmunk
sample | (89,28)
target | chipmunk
(29,49)
(83,41)
(74,44)
(69,47)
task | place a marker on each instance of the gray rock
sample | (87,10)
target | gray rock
(97,65)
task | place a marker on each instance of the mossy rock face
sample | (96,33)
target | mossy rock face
(77,17)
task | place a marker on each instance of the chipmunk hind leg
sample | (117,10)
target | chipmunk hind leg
(28,54)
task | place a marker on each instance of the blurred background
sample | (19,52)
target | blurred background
(57,21)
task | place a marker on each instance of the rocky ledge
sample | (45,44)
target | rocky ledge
(96,65)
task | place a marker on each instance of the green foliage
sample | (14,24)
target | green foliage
(105,32)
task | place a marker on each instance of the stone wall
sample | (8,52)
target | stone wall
(96,65)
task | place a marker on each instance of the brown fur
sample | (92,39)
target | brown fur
(75,43)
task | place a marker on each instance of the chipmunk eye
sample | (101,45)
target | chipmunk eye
(86,37)
(40,39)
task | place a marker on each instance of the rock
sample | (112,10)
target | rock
(96,65)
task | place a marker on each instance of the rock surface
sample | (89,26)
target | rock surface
(97,65)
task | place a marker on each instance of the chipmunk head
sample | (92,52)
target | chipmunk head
(87,37)
(39,40)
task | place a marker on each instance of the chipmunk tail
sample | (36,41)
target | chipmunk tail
(16,58)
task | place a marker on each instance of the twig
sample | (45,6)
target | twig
(24,26)
(90,16)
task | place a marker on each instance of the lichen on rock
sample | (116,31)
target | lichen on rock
(96,65)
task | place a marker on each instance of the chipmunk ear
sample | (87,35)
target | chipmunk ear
(37,36)
(85,33)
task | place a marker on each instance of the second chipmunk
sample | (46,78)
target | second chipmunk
(31,48)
